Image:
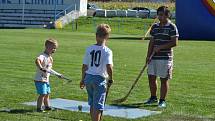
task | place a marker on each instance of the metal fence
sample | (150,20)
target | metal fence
(135,26)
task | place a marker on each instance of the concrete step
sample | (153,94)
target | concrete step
(23,22)
(20,26)
(19,18)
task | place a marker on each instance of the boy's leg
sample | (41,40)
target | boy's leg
(96,115)
(99,96)
(46,100)
(98,104)
(47,91)
(89,87)
(91,112)
(40,101)
(40,86)
(90,98)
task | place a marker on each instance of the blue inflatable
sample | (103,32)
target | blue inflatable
(194,20)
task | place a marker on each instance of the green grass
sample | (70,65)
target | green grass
(191,95)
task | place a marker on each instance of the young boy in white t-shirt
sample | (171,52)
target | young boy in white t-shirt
(97,70)
(44,68)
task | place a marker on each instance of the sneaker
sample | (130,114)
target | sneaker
(48,108)
(41,110)
(151,101)
(162,104)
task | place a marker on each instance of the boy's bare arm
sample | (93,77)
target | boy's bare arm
(110,71)
(84,69)
(38,64)
(173,43)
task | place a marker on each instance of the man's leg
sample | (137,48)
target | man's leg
(152,85)
(153,90)
(164,88)
(163,92)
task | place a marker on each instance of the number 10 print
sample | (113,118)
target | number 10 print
(95,58)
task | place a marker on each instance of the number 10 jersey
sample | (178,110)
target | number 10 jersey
(96,58)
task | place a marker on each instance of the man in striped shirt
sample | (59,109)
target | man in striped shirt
(164,36)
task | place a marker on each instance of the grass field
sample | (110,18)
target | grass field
(191,96)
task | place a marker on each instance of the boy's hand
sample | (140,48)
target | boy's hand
(43,70)
(110,82)
(82,85)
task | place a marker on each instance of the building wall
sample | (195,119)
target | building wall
(47,2)
(80,5)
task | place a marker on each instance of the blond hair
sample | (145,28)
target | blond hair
(103,30)
(51,41)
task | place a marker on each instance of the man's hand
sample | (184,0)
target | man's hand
(157,49)
(82,85)
(147,59)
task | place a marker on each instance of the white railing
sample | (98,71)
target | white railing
(65,11)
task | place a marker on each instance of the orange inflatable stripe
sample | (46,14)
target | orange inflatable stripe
(210,5)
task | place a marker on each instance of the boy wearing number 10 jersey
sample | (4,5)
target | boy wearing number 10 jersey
(96,70)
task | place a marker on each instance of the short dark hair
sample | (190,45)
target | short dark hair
(164,9)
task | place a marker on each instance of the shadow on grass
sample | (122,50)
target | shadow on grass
(191,118)
(29,112)
(133,105)
(16,111)
(151,105)
(129,38)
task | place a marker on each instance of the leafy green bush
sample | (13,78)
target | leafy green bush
(129,5)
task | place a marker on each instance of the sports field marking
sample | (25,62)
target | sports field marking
(115,111)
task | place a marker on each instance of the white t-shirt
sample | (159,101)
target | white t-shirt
(46,62)
(96,58)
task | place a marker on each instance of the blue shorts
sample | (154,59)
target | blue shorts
(96,89)
(42,87)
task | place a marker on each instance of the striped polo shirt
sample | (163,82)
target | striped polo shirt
(162,35)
